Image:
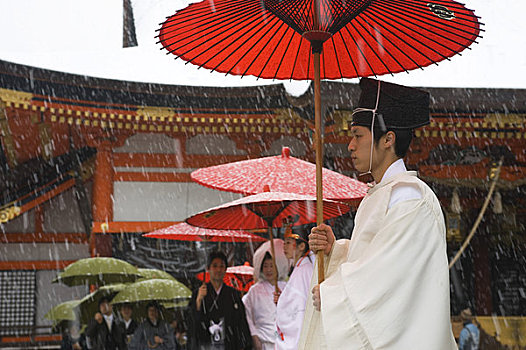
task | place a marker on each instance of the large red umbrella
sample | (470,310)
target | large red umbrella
(281,174)
(267,210)
(355,38)
(347,38)
(184,232)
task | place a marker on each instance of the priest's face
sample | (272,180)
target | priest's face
(360,148)
(217,270)
(268,270)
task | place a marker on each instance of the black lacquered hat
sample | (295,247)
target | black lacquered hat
(398,107)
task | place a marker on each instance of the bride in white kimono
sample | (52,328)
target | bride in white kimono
(259,301)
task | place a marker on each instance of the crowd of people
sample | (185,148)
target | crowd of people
(269,316)
(110,331)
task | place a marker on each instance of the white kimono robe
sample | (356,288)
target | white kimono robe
(388,287)
(292,302)
(261,312)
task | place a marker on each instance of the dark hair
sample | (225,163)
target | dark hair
(130,305)
(306,249)
(402,141)
(104,299)
(216,255)
(265,257)
(154,304)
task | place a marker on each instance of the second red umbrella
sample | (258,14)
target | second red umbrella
(266,210)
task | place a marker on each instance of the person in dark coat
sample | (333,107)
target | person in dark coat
(73,338)
(219,320)
(130,325)
(105,331)
(153,333)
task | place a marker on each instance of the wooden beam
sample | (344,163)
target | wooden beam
(35,265)
(29,339)
(42,237)
(152,177)
(171,160)
(48,195)
(130,226)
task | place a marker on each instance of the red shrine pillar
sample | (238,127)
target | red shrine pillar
(102,202)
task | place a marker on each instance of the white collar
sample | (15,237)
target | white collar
(394,169)
(219,289)
(109,319)
(127,323)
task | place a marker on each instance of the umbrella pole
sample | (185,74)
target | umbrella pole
(316,51)
(271,237)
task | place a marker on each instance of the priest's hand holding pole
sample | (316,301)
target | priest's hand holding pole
(321,238)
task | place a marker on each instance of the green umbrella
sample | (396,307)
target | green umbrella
(153,290)
(98,271)
(63,312)
(147,274)
(89,305)
(170,293)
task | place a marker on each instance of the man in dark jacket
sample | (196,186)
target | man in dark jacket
(130,325)
(219,320)
(105,331)
(153,333)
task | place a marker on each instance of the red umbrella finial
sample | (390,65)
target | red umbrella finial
(266,188)
(285,152)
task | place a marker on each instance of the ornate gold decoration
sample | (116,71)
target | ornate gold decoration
(154,113)
(341,119)
(284,114)
(15,97)
(498,119)
(5,133)
(87,169)
(453,227)
(9,213)
(104,227)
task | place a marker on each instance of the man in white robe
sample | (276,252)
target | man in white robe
(387,287)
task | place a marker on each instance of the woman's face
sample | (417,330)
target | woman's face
(289,247)
(268,270)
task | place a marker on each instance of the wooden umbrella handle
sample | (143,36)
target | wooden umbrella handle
(271,237)
(319,158)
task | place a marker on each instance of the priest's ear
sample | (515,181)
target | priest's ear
(390,139)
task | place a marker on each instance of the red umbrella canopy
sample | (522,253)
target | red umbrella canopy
(268,209)
(281,174)
(358,38)
(185,232)
(244,272)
